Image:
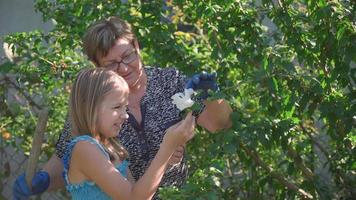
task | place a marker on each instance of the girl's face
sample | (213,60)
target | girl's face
(112,111)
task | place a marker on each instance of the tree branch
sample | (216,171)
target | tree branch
(307,173)
(27,96)
(322,149)
(280,177)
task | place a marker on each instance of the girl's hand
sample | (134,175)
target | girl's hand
(177,155)
(180,133)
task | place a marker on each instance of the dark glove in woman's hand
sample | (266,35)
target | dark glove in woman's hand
(203,81)
(40,183)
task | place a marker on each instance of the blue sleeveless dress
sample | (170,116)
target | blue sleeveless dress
(87,190)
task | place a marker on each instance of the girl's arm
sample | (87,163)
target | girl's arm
(130,177)
(88,160)
(91,162)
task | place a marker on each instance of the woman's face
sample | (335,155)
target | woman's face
(112,111)
(124,59)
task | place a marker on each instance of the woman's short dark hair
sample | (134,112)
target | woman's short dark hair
(102,35)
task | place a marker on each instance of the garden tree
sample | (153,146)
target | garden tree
(286,67)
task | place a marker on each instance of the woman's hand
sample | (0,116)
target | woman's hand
(180,133)
(203,81)
(40,183)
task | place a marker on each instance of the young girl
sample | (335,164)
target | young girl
(95,165)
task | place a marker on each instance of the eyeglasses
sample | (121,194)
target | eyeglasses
(125,60)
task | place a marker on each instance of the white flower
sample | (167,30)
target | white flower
(183,100)
(8,51)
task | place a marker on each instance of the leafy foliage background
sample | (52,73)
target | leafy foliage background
(286,67)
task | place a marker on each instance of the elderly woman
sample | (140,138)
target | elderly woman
(112,45)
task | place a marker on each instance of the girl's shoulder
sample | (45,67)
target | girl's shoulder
(86,158)
(89,155)
(87,145)
(84,147)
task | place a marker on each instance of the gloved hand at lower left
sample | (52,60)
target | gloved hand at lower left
(40,183)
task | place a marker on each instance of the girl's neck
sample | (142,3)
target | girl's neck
(101,140)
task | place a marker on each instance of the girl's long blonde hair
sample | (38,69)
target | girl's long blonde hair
(88,91)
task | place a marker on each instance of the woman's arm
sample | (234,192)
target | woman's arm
(54,168)
(49,178)
(216,116)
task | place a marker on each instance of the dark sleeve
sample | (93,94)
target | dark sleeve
(64,139)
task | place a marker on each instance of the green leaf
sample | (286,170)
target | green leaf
(340,32)
(6,67)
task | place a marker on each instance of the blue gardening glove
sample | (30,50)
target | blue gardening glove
(40,183)
(203,81)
